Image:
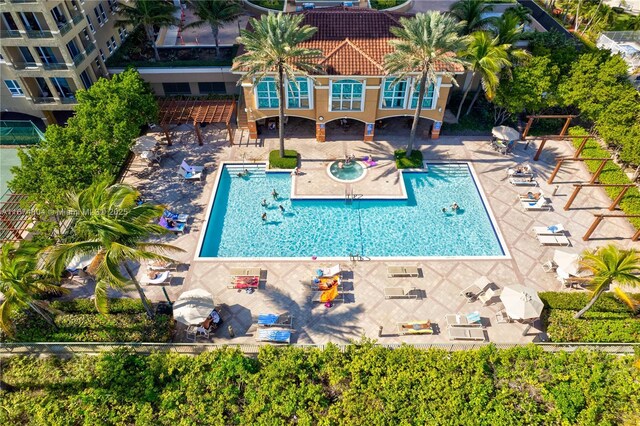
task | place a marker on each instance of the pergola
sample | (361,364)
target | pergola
(14,220)
(196,111)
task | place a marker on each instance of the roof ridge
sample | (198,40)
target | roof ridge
(333,52)
(364,54)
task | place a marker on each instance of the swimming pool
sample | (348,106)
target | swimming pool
(414,227)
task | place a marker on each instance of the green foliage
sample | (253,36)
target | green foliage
(289,161)
(366,384)
(414,161)
(386,4)
(269,4)
(561,51)
(576,301)
(78,321)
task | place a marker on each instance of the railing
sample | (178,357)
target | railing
(90,48)
(65,28)
(78,58)
(44,100)
(39,34)
(92,348)
(54,66)
(25,65)
(23,1)
(9,33)
(69,100)
(77,19)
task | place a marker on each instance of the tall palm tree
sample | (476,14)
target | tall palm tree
(469,13)
(111,226)
(215,13)
(523,13)
(272,46)
(424,43)
(508,28)
(21,283)
(610,264)
(148,13)
(486,58)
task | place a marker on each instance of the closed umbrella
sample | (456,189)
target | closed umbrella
(144,143)
(193,306)
(521,302)
(505,133)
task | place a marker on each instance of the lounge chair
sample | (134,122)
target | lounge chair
(325,296)
(557,229)
(531,196)
(182,218)
(402,271)
(328,272)
(370,162)
(466,333)
(178,228)
(553,240)
(325,283)
(502,317)
(245,272)
(415,327)
(523,182)
(541,204)
(486,296)
(521,171)
(459,320)
(400,292)
(478,286)
(160,265)
(163,277)
(189,175)
(275,320)
(245,282)
(192,169)
(273,335)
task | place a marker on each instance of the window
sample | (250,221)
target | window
(113,43)
(62,87)
(14,88)
(176,89)
(93,30)
(113,6)
(346,95)
(211,87)
(267,93)
(299,96)
(429,101)
(98,17)
(104,15)
(123,33)
(109,46)
(86,80)
(394,96)
(102,55)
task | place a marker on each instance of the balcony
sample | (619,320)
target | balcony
(54,67)
(10,34)
(77,19)
(23,1)
(65,28)
(25,65)
(69,100)
(39,34)
(44,100)
(90,48)
(78,58)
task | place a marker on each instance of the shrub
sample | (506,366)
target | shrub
(413,162)
(289,161)
(597,327)
(608,302)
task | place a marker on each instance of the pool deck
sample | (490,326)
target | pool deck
(285,286)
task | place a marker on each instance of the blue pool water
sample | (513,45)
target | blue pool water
(415,227)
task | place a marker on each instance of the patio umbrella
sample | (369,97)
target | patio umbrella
(521,302)
(193,306)
(568,262)
(144,143)
(505,133)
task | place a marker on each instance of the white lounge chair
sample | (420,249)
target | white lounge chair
(189,175)
(402,271)
(553,240)
(486,296)
(399,292)
(466,333)
(461,320)
(245,272)
(192,169)
(162,278)
(541,204)
(556,229)
(523,182)
(329,272)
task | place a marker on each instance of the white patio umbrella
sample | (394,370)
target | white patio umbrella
(80,261)
(193,306)
(505,133)
(521,302)
(568,262)
(144,143)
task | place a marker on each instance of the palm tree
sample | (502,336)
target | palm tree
(469,13)
(485,57)
(272,45)
(521,12)
(148,13)
(610,264)
(21,283)
(508,28)
(424,43)
(215,13)
(111,226)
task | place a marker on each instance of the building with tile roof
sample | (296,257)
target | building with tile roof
(352,84)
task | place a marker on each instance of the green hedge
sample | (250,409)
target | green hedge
(290,160)
(612,173)
(413,162)
(385,4)
(80,322)
(269,4)
(363,385)
(608,302)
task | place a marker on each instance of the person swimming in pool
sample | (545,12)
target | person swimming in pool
(264,217)
(264,202)
(281,208)
(455,206)
(274,194)
(444,210)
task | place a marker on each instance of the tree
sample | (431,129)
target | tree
(111,226)
(271,45)
(425,43)
(521,12)
(215,13)
(148,13)
(469,13)
(22,283)
(508,28)
(486,58)
(609,264)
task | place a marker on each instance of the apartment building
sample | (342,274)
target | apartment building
(353,84)
(50,49)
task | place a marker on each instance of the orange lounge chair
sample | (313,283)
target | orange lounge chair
(326,295)
(325,283)
(245,282)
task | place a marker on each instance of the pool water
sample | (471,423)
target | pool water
(416,227)
(348,172)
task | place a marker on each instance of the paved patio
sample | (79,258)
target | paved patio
(285,285)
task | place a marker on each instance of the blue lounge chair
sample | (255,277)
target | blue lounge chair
(175,216)
(273,335)
(271,320)
(178,229)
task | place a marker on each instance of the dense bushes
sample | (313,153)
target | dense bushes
(363,385)
(608,321)
(414,161)
(289,161)
(78,321)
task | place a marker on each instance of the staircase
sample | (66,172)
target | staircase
(255,170)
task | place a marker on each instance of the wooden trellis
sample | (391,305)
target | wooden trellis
(625,187)
(595,176)
(14,220)
(599,217)
(544,140)
(532,117)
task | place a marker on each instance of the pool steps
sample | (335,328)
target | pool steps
(254,169)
